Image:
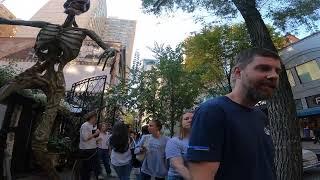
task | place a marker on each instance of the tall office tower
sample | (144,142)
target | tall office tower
(136,63)
(118,33)
(53,12)
(6,30)
(121,30)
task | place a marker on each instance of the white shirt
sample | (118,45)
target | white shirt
(85,132)
(120,159)
(103,140)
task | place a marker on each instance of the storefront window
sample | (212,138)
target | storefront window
(290,78)
(309,71)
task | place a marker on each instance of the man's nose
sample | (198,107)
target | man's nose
(273,75)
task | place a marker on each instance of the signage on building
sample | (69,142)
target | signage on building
(313,101)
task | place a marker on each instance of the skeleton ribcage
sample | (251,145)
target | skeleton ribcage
(61,44)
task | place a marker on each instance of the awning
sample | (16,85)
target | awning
(309,112)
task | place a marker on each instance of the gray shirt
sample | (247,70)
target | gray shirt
(154,163)
(176,148)
(85,132)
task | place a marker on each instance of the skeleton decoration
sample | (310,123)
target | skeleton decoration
(55,46)
(74,7)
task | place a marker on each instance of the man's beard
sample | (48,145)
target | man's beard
(255,95)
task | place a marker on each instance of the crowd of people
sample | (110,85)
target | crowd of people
(229,137)
(146,154)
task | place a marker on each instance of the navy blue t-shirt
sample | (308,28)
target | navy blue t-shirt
(234,135)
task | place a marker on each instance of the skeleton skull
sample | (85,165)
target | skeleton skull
(76,7)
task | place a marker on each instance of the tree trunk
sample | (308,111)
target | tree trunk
(281,108)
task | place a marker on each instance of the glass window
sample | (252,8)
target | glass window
(290,78)
(308,71)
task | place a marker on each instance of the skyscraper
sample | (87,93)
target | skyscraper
(6,30)
(116,32)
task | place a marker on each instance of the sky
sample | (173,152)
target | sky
(150,29)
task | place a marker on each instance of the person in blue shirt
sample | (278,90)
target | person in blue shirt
(153,145)
(229,139)
(176,150)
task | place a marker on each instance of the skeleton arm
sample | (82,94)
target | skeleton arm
(38,24)
(109,52)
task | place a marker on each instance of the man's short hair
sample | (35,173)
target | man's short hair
(246,57)
(89,115)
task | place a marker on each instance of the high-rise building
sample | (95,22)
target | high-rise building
(117,33)
(121,30)
(136,60)
(53,12)
(6,30)
(147,64)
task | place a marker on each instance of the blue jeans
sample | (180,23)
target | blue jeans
(174,178)
(138,176)
(123,172)
(104,156)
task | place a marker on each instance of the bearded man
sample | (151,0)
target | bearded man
(229,139)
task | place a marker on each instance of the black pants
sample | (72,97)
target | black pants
(91,163)
(148,177)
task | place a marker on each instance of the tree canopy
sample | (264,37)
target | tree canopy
(210,53)
(161,93)
(286,15)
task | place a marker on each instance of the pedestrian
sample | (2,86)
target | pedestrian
(316,133)
(229,139)
(153,145)
(121,154)
(145,130)
(176,150)
(88,147)
(136,164)
(103,149)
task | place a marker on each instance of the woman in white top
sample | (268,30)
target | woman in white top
(103,149)
(121,154)
(88,147)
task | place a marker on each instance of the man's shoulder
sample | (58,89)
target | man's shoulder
(217,104)
(85,124)
(214,102)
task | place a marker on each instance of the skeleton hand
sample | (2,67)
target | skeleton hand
(108,56)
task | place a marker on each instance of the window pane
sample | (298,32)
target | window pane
(308,71)
(290,78)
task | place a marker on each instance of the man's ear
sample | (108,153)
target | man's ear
(236,72)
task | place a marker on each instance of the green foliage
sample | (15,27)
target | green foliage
(210,53)
(285,14)
(161,93)
(178,88)
(296,13)
(7,72)
(59,144)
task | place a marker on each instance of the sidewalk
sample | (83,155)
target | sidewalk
(66,175)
